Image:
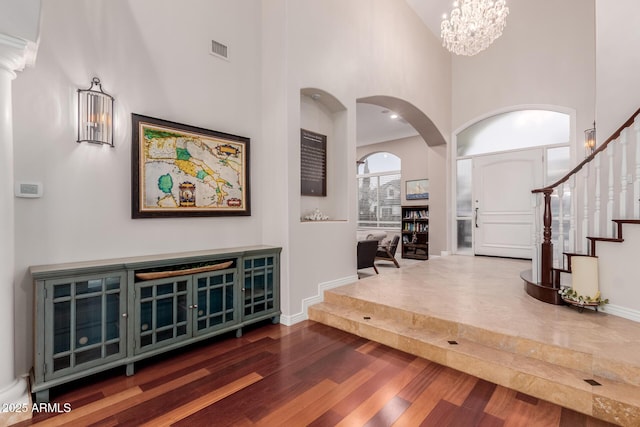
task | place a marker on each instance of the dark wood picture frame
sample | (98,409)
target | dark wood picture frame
(179,170)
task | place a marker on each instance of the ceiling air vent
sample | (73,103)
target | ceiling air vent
(220,50)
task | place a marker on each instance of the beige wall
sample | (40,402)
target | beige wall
(349,49)
(546,56)
(618,62)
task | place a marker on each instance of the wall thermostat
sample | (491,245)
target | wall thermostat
(28,189)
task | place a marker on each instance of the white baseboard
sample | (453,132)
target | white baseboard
(289,320)
(619,311)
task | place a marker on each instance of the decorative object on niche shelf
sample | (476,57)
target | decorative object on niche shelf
(316,215)
(95,114)
(473,25)
(313,163)
(590,140)
(181,170)
(417,189)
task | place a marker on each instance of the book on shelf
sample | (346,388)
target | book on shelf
(415,227)
(417,214)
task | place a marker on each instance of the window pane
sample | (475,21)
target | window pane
(463,188)
(389,200)
(379,191)
(464,235)
(368,201)
(558,163)
(516,129)
(379,162)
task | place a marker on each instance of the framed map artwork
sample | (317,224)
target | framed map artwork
(180,170)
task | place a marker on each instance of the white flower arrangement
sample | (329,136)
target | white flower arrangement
(316,215)
(569,295)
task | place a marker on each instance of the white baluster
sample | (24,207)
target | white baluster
(572,214)
(585,209)
(560,192)
(596,208)
(622,208)
(636,182)
(609,224)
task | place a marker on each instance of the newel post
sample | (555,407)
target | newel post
(547,247)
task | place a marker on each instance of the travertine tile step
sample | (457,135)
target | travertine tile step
(591,364)
(547,372)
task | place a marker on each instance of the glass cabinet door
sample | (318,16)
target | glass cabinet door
(215,301)
(162,312)
(259,286)
(85,322)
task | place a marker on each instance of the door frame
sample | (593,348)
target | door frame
(452,231)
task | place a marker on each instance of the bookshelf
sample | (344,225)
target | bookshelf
(415,232)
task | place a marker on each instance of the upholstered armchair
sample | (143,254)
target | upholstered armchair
(387,252)
(367,254)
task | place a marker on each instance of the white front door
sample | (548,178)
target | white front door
(503,203)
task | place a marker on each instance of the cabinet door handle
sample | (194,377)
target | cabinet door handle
(476,218)
(124,315)
(193,306)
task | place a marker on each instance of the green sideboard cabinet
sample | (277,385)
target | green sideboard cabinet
(94,316)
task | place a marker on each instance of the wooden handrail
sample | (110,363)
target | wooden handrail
(601,148)
(546,256)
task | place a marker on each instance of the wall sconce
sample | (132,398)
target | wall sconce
(590,140)
(95,115)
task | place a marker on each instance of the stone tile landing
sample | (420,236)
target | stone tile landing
(472,314)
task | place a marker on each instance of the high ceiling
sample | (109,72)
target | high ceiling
(431,11)
(373,124)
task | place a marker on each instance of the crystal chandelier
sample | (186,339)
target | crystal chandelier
(473,25)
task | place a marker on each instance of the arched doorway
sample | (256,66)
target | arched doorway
(498,161)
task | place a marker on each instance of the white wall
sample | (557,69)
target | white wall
(618,273)
(23,20)
(546,55)
(350,50)
(152,55)
(618,62)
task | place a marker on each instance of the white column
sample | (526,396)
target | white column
(12,390)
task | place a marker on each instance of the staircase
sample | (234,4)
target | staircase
(584,213)
(584,381)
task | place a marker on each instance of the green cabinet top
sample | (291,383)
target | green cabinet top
(146,261)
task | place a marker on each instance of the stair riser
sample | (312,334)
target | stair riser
(582,398)
(616,371)
(377,310)
(560,356)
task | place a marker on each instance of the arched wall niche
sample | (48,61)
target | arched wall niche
(323,113)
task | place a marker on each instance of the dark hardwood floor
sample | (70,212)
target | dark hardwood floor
(307,374)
